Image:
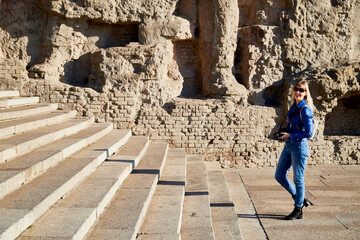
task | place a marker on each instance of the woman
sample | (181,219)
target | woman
(296,150)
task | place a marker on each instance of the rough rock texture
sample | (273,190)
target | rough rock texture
(321,33)
(208,75)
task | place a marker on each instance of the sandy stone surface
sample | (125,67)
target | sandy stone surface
(335,213)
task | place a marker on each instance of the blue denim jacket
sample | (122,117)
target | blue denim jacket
(300,129)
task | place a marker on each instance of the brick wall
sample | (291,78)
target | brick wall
(220,129)
(12,69)
(114,106)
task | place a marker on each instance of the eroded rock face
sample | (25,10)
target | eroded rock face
(129,61)
(21,28)
(115,11)
(321,33)
(133,68)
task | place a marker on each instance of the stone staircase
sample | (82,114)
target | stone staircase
(63,177)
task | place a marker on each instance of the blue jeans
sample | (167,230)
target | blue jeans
(293,155)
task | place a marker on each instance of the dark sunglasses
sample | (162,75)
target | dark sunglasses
(299,89)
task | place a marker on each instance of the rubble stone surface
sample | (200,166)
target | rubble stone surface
(212,76)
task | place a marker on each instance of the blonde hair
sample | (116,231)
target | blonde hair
(304,84)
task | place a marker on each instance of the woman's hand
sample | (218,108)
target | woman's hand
(284,135)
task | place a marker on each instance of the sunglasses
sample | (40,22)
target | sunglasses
(296,89)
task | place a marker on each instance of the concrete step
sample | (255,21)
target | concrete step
(24,143)
(16,126)
(163,219)
(26,111)
(8,94)
(18,101)
(125,213)
(21,208)
(196,222)
(223,214)
(72,217)
(23,169)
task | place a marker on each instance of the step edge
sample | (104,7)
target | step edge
(27,112)
(197,159)
(36,124)
(146,204)
(227,199)
(36,212)
(49,162)
(19,101)
(9,93)
(181,202)
(101,206)
(17,151)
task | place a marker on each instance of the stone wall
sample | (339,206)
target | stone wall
(259,57)
(233,134)
(208,125)
(11,69)
(212,76)
(320,33)
(347,151)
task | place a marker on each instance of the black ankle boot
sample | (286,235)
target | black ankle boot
(296,214)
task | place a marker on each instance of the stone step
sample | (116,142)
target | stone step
(18,101)
(223,214)
(21,208)
(26,111)
(72,217)
(21,144)
(16,126)
(8,94)
(196,222)
(125,213)
(249,224)
(21,170)
(163,219)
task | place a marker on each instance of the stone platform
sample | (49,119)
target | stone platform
(261,203)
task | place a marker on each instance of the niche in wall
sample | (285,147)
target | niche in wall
(76,72)
(344,118)
(115,35)
(188,63)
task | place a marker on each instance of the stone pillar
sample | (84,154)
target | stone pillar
(218,51)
